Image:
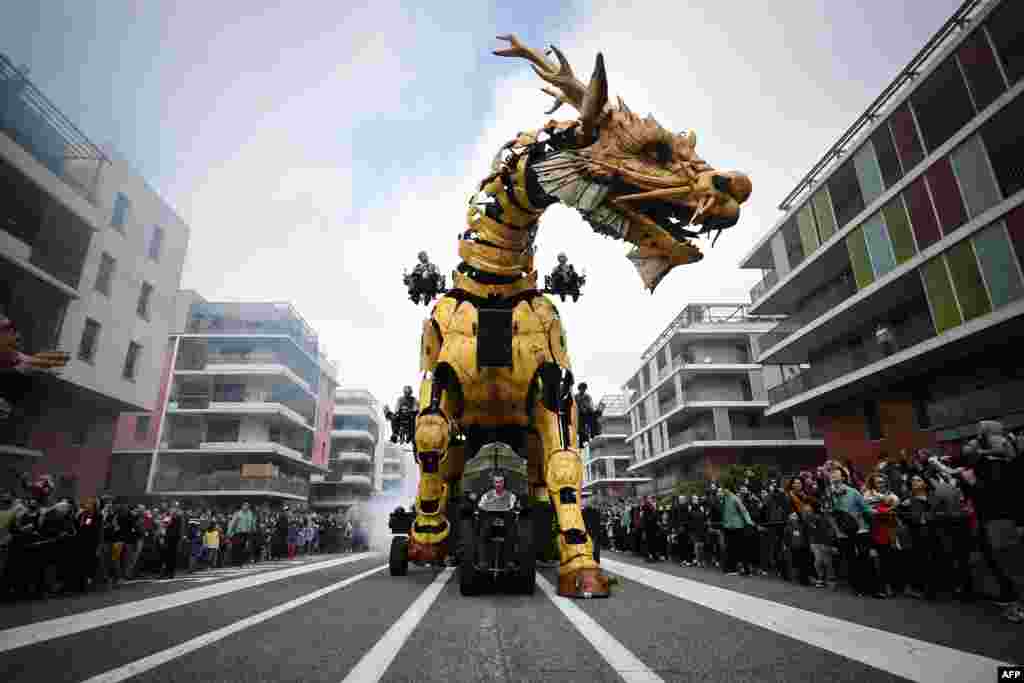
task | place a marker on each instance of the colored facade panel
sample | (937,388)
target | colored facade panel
(823,213)
(942,104)
(904,134)
(1004,27)
(1015,227)
(885,150)
(946,194)
(970,163)
(922,215)
(945,312)
(970,288)
(998,264)
(898,223)
(844,188)
(879,249)
(979,64)
(869,175)
(808,230)
(860,263)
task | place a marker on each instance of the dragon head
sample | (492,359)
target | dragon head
(630,177)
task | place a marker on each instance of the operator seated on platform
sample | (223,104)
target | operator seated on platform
(425,269)
(406,402)
(501,500)
(587,414)
(563,274)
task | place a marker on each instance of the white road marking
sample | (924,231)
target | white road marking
(156,659)
(374,663)
(913,659)
(625,663)
(42,631)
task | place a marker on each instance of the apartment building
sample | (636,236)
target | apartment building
(898,258)
(242,413)
(90,262)
(352,466)
(606,459)
(395,467)
(698,402)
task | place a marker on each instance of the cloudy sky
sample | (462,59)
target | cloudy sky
(315,147)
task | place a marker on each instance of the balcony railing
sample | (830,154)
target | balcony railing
(838,365)
(766,283)
(229,481)
(37,126)
(676,439)
(745,433)
(815,307)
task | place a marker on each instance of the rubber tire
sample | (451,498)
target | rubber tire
(527,558)
(398,560)
(469,583)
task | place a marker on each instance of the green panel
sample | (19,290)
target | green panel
(998,264)
(823,212)
(945,313)
(869,174)
(877,238)
(898,222)
(808,230)
(859,261)
(970,289)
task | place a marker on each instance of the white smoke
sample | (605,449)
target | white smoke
(374,513)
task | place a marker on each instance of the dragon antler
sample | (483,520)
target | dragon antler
(588,100)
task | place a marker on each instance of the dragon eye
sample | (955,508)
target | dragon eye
(661,151)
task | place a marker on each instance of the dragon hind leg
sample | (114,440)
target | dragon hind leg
(579,576)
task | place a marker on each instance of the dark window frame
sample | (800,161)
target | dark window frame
(142,308)
(119,216)
(105,276)
(143,420)
(156,244)
(131,361)
(90,355)
(942,104)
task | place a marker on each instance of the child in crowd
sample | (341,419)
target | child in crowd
(211,539)
(822,536)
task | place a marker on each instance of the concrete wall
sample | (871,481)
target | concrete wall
(714,388)
(846,435)
(120,325)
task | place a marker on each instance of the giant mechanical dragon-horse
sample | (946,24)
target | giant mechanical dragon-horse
(493,352)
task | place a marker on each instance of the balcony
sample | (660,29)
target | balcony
(33,122)
(815,306)
(770,279)
(352,457)
(687,436)
(268,367)
(230,483)
(361,434)
(363,481)
(269,446)
(201,404)
(855,358)
(772,433)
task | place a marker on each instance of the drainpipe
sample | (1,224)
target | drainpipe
(163,418)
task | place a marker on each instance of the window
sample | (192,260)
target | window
(970,289)
(879,249)
(869,175)
(106,274)
(1004,140)
(142,423)
(975,175)
(79,435)
(898,224)
(90,338)
(847,199)
(1004,27)
(904,134)
(998,264)
(885,150)
(143,307)
(922,215)
(979,65)
(156,243)
(942,104)
(946,194)
(1015,226)
(120,215)
(131,361)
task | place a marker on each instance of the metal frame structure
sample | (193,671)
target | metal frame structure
(730,313)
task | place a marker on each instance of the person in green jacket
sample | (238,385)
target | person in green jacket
(239,530)
(735,523)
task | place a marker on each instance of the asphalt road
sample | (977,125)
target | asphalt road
(344,619)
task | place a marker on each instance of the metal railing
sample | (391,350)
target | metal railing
(816,306)
(228,481)
(29,118)
(767,282)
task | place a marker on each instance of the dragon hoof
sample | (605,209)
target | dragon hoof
(583,583)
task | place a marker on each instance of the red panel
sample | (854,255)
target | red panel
(1015,224)
(922,216)
(983,75)
(904,133)
(946,194)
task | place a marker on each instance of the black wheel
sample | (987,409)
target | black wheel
(468,581)
(398,561)
(527,557)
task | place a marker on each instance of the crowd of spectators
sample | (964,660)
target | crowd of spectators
(913,526)
(52,547)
